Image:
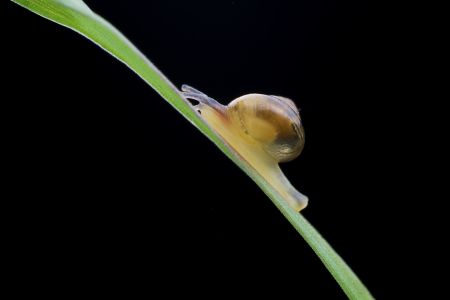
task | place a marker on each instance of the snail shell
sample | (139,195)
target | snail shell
(272,121)
(265,130)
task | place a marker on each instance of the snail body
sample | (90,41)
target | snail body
(265,130)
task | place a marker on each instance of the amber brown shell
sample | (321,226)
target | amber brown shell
(272,121)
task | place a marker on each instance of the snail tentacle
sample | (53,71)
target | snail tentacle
(190,89)
(191,93)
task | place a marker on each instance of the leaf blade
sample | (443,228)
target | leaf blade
(76,15)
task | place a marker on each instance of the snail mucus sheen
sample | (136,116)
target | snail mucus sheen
(264,130)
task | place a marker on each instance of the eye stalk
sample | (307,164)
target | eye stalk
(194,94)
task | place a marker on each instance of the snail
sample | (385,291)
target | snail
(264,130)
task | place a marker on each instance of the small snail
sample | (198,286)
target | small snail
(265,130)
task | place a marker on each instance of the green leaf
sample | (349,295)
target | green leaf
(76,15)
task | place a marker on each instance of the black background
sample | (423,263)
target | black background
(128,190)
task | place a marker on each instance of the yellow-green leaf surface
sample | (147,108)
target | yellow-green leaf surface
(76,15)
